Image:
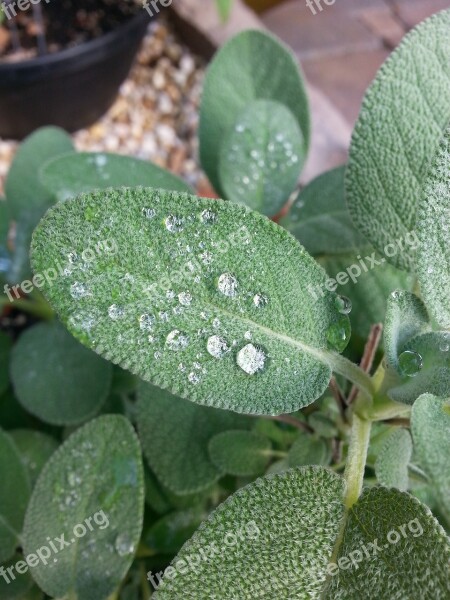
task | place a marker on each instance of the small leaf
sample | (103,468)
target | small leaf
(19,587)
(406,317)
(5,350)
(240,453)
(12,415)
(431,434)
(23,188)
(261,157)
(14,495)
(154,494)
(251,66)
(35,449)
(223,317)
(308,450)
(70,175)
(169,533)
(433,253)
(402,120)
(175,436)
(64,383)
(392,462)
(19,266)
(92,492)
(320,220)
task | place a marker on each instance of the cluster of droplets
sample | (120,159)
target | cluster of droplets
(176,340)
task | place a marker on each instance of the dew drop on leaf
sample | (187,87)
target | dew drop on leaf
(338,334)
(208,217)
(343,304)
(251,359)
(174,224)
(149,213)
(194,378)
(116,312)
(78,290)
(217,346)
(124,545)
(227,284)
(177,340)
(184,298)
(259,300)
(444,347)
(146,322)
(410,363)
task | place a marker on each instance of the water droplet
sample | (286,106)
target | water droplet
(163,315)
(100,160)
(259,300)
(170,294)
(338,334)
(395,295)
(227,284)
(157,355)
(343,304)
(208,217)
(248,335)
(73,479)
(149,213)
(444,346)
(251,359)
(73,257)
(177,340)
(216,323)
(184,298)
(410,363)
(146,322)
(78,290)
(174,224)
(124,545)
(194,378)
(116,312)
(217,346)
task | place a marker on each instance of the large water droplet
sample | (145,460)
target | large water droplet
(124,545)
(259,300)
(184,298)
(208,217)
(194,378)
(343,304)
(410,363)
(174,224)
(149,213)
(251,359)
(227,284)
(116,312)
(177,340)
(338,334)
(78,290)
(217,346)
(146,322)
(444,346)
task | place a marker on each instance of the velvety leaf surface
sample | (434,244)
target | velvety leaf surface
(251,66)
(261,157)
(19,265)
(402,120)
(240,453)
(320,220)
(431,434)
(35,449)
(19,587)
(204,298)
(5,350)
(69,175)
(96,474)
(175,434)
(433,222)
(169,533)
(14,496)
(308,450)
(392,462)
(22,186)
(64,383)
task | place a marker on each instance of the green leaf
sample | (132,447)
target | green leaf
(92,492)
(433,253)
(206,299)
(175,436)
(323,425)
(23,188)
(320,220)
(427,360)
(261,157)
(406,317)
(169,533)
(251,66)
(64,383)
(5,350)
(72,174)
(14,496)
(12,415)
(392,548)
(240,453)
(402,120)
(308,450)
(392,462)
(19,266)
(431,433)
(35,449)
(19,587)
(154,494)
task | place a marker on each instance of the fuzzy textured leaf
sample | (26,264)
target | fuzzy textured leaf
(204,298)
(392,462)
(5,350)
(97,473)
(240,453)
(35,449)
(308,450)
(403,118)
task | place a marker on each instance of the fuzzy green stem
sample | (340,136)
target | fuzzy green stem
(352,372)
(36,309)
(356,459)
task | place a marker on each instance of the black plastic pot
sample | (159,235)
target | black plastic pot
(71,88)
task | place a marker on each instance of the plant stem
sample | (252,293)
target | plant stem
(368,356)
(36,309)
(290,420)
(352,372)
(356,459)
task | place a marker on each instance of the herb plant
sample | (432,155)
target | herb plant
(223,351)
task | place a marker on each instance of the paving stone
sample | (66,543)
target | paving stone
(412,12)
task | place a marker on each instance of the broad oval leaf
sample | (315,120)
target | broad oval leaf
(431,433)
(240,453)
(5,350)
(433,253)
(91,492)
(251,66)
(69,175)
(261,157)
(309,450)
(23,189)
(35,449)
(402,120)
(204,298)
(169,533)
(392,462)
(14,495)
(320,220)
(175,435)
(63,384)
(19,588)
